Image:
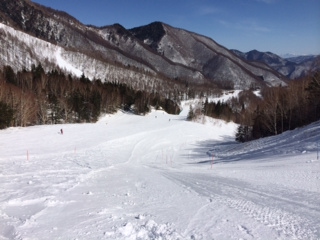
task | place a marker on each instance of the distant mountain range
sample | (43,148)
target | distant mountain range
(31,34)
(292,67)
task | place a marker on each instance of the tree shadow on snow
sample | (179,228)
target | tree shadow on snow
(203,151)
(290,143)
(227,151)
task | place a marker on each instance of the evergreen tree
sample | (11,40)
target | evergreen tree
(6,115)
(191,114)
(314,93)
(244,133)
(9,75)
(95,100)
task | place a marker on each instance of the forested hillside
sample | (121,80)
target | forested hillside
(35,97)
(274,111)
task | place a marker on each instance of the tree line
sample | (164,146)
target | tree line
(275,110)
(35,97)
(286,108)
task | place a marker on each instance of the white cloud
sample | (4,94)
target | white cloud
(246,25)
(224,23)
(266,1)
(254,27)
(207,10)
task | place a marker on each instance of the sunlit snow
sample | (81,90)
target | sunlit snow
(41,49)
(157,177)
(63,64)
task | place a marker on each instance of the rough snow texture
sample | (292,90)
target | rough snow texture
(157,177)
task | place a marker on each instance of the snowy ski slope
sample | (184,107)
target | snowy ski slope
(157,177)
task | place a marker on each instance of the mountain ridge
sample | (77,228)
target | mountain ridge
(292,68)
(156,48)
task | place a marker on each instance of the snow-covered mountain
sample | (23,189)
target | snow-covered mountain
(204,54)
(291,67)
(157,50)
(21,50)
(302,58)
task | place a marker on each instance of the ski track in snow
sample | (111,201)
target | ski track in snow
(287,213)
(133,177)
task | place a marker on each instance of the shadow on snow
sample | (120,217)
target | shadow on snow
(298,141)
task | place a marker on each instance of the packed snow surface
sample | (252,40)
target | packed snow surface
(157,177)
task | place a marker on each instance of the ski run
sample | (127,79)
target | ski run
(158,177)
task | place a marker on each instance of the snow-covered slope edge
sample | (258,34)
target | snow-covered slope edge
(299,141)
(152,177)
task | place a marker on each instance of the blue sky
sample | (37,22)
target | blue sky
(279,26)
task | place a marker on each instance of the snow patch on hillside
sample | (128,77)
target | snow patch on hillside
(30,50)
(63,64)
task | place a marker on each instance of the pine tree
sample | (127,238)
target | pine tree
(9,75)
(191,115)
(6,115)
(314,93)
(244,133)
